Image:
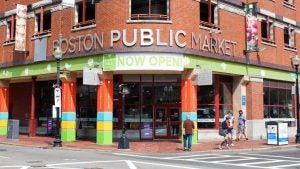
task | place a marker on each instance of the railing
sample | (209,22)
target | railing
(86,23)
(209,25)
(149,17)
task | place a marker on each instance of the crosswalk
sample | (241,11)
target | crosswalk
(245,160)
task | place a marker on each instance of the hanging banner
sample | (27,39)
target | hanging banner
(91,76)
(20,38)
(251,27)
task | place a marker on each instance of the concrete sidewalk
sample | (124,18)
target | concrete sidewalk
(155,146)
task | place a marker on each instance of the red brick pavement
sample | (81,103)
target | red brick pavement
(143,146)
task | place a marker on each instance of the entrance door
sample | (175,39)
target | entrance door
(167,123)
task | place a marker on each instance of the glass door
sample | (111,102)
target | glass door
(167,123)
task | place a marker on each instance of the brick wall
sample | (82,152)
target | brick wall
(254,101)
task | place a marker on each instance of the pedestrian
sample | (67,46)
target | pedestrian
(241,126)
(188,126)
(231,120)
(227,137)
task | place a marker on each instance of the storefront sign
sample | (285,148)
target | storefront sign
(204,77)
(91,76)
(147,130)
(57,97)
(243,100)
(272,134)
(148,37)
(282,133)
(143,61)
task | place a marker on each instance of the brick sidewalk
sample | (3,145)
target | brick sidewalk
(143,146)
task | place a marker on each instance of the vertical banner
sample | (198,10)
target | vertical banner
(251,26)
(20,38)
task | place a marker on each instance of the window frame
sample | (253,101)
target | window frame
(10,29)
(270,32)
(289,37)
(84,22)
(40,21)
(212,13)
(148,17)
(289,3)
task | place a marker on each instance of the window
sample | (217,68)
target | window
(289,3)
(42,22)
(289,37)
(267,31)
(84,13)
(11,29)
(214,101)
(278,102)
(150,10)
(208,14)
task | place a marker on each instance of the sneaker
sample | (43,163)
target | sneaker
(220,147)
(184,149)
(189,149)
(231,144)
(246,138)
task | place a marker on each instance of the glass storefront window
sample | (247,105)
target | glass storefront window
(86,106)
(167,93)
(278,102)
(207,105)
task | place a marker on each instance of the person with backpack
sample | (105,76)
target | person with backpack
(227,136)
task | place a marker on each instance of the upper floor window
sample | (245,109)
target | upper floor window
(11,29)
(289,37)
(289,3)
(267,31)
(42,22)
(208,14)
(150,10)
(84,13)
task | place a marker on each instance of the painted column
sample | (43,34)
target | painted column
(68,116)
(105,110)
(189,103)
(255,109)
(4,95)
(32,120)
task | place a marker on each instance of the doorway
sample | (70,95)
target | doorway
(167,122)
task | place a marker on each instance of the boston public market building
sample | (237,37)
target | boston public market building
(144,65)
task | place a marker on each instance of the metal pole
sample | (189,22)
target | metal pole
(123,141)
(123,111)
(297,106)
(57,141)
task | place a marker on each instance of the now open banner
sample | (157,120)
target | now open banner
(143,61)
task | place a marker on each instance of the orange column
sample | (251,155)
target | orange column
(189,103)
(68,114)
(104,112)
(4,100)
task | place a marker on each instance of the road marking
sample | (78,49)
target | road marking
(241,159)
(14,166)
(262,162)
(3,157)
(25,167)
(134,155)
(197,155)
(130,164)
(84,162)
(264,155)
(283,166)
(166,165)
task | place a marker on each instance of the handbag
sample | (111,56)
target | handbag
(222,132)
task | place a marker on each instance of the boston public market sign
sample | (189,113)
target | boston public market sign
(146,38)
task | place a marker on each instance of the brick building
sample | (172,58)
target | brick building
(175,57)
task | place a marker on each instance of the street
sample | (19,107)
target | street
(17,157)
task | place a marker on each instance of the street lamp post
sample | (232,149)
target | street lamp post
(58,56)
(123,142)
(296,62)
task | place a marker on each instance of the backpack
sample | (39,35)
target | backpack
(223,124)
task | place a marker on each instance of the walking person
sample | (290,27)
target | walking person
(188,126)
(241,126)
(231,121)
(227,136)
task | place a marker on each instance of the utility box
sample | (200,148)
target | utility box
(13,129)
(277,133)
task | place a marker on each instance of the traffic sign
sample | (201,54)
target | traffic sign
(57,97)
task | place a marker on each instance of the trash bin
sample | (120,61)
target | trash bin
(277,133)
(13,129)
